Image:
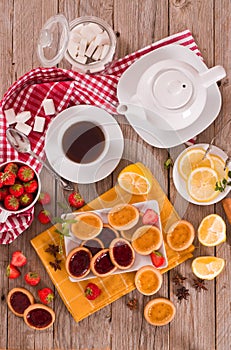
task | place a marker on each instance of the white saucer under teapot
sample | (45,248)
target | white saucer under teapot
(172,93)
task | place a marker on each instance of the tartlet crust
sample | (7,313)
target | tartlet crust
(93,261)
(114,217)
(153,245)
(113,243)
(148,268)
(155,301)
(39,306)
(171,232)
(69,256)
(22,290)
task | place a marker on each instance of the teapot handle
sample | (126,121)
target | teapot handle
(212,75)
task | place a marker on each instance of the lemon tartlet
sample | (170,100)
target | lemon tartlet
(180,235)
(148,280)
(123,216)
(87,226)
(146,239)
(159,311)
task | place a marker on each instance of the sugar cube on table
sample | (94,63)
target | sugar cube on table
(24,128)
(10,116)
(48,106)
(39,123)
(22,117)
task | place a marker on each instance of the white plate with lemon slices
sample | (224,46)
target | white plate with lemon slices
(195,178)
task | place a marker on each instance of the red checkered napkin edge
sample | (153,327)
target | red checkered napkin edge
(66,88)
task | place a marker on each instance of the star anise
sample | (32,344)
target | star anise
(52,249)
(199,284)
(56,264)
(178,279)
(182,293)
(133,304)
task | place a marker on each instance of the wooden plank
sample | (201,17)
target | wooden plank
(222,54)
(198,18)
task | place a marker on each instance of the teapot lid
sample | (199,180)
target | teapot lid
(172,89)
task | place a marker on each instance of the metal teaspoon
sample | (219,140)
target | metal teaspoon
(21,143)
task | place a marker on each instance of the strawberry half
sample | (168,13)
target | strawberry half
(92,291)
(16,190)
(75,200)
(30,186)
(46,295)
(11,202)
(32,278)
(12,272)
(150,217)
(18,259)
(7,178)
(44,198)
(25,173)
(157,259)
(44,216)
(26,199)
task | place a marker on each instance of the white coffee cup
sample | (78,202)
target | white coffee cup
(4,213)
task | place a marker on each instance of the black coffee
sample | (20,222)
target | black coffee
(83,142)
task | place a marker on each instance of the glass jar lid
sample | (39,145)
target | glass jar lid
(53,40)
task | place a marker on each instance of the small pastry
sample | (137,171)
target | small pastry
(180,235)
(78,262)
(148,280)
(123,216)
(18,300)
(39,316)
(127,234)
(107,235)
(146,239)
(94,245)
(87,226)
(159,311)
(101,264)
(121,253)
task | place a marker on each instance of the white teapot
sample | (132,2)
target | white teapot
(172,94)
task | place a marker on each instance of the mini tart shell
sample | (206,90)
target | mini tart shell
(183,233)
(95,258)
(21,290)
(91,231)
(112,256)
(116,215)
(99,244)
(145,277)
(70,255)
(39,306)
(145,246)
(127,234)
(152,304)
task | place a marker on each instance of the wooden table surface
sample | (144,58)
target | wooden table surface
(201,323)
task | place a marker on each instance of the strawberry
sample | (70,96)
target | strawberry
(46,295)
(75,200)
(92,291)
(26,199)
(18,259)
(25,173)
(44,216)
(7,178)
(157,259)
(11,202)
(150,217)
(3,193)
(44,198)
(16,189)
(12,272)
(12,167)
(30,186)
(32,278)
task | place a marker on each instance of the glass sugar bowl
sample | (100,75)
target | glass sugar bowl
(88,43)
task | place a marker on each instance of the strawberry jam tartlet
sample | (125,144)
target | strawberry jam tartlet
(78,262)
(121,253)
(101,264)
(18,300)
(39,316)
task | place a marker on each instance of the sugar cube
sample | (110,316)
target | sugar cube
(39,123)
(82,46)
(22,117)
(97,53)
(102,38)
(81,59)
(91,48)
(95,28)
(87,33)
(75,37)
(10,116)
(24,128)
(73,49)
(104,51)
(48,106)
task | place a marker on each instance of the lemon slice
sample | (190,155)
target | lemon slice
(134,183)
(212,230)
(192,159)
(207,267)
(219,165)
(201,184)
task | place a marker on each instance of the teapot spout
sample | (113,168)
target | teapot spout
(212,75)
(136,109)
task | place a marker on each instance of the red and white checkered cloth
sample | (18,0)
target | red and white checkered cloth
(66,88)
